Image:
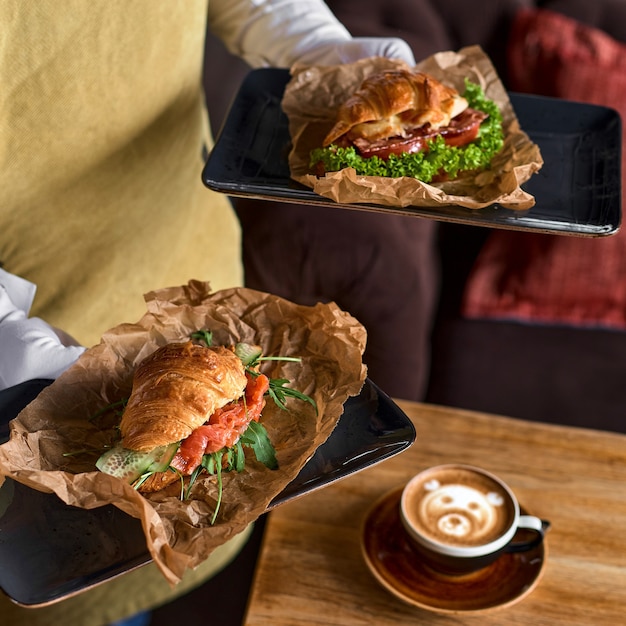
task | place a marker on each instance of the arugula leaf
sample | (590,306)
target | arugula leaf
(257,438)
(185,493)
(213,464)
(238,457)
(117,407)
(279,393)
(437,158)
(203,335)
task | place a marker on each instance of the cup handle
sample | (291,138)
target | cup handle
(539,527)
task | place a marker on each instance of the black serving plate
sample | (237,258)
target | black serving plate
(49,550)
(577,191)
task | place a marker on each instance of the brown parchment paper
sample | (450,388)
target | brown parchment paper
(178,533)
(314,94)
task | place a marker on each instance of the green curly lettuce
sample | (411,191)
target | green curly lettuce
(436,159)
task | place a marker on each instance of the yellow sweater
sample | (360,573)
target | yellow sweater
(102,124)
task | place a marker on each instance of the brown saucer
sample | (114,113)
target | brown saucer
(399,568)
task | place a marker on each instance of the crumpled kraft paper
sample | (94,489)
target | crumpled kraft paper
(178,533)
(314,94)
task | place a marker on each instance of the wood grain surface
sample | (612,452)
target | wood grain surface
(311,570)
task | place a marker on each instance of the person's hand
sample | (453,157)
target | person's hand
(29,348)
(358,48)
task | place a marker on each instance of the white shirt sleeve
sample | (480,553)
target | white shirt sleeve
(29,348)
(275,33)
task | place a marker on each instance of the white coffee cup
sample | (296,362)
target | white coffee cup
(461,518)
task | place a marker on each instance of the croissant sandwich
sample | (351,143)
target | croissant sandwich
(191,409)
(405,123)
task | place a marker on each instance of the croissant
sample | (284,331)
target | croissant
(392,102)
(175,390)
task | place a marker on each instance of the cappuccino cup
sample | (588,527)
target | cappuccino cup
(461,518)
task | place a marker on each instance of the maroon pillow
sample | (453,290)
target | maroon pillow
(550,278)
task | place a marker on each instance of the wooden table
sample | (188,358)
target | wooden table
(311,569)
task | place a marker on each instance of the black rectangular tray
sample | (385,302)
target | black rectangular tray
(49,550)
(577,191)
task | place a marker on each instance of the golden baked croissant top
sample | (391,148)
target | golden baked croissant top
(392,102)
(175,390)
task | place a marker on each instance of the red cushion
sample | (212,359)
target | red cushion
(550,278)
(554,55)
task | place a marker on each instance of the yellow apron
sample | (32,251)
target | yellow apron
(102,126)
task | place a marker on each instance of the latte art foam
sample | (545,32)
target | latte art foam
(459,507)
(458,512)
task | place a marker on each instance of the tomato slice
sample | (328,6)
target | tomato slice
(463,129)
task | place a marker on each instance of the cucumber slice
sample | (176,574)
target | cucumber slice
(129,465)
(248,353)
(163,457)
